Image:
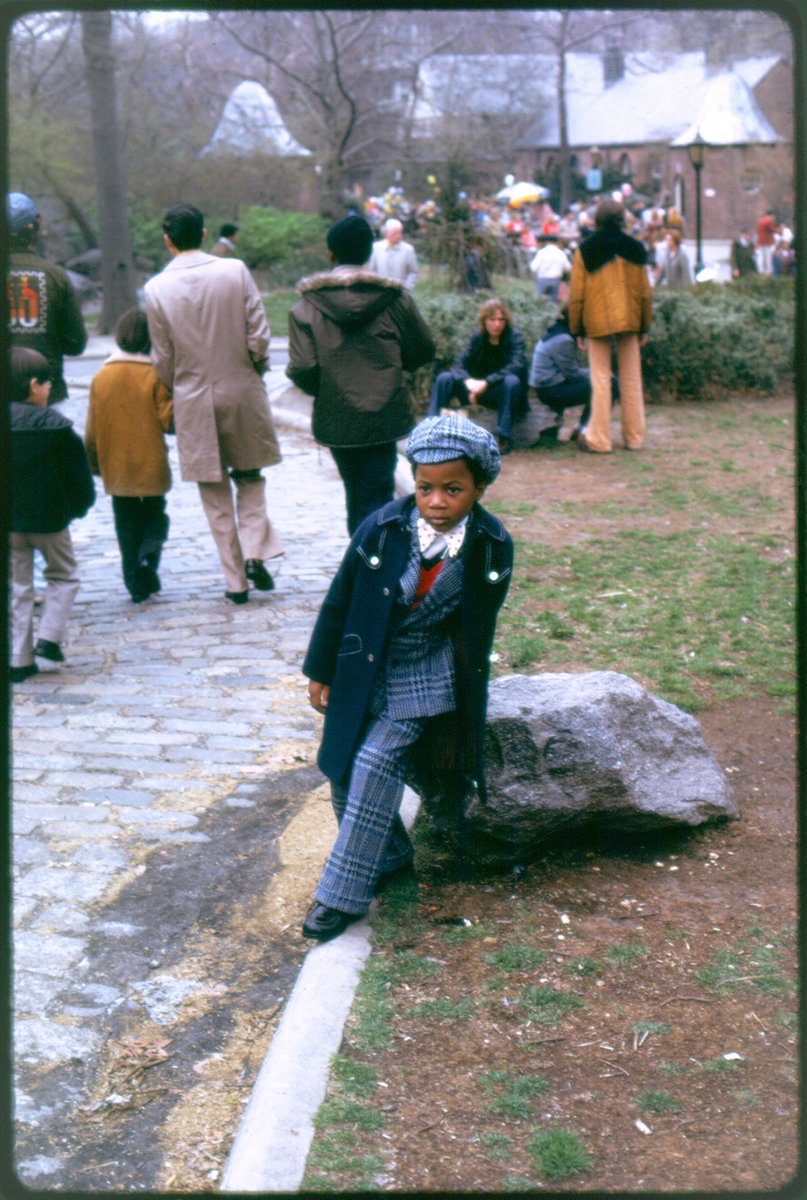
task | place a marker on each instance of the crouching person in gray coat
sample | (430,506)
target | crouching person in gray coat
(400,655)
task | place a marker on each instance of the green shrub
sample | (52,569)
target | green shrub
(709,341)
(451,318)
(287,244)
(706,342)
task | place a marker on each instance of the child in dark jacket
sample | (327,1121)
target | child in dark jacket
(403,638)
(130,411)
(51,485)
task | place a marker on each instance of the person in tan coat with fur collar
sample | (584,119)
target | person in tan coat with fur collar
(130,412)
(610,300)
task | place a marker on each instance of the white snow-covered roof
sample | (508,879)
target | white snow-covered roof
(657,97)
(655,105)
(251,124)
(729,116)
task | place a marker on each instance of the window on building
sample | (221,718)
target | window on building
(751,180)
(625,168)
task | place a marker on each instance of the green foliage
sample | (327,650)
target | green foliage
(277,305)
(714,339)
(515,956)
(372,1017)
(146,231)
(585,966)
(706,341)
(498,1145)
(515,1093)
(452,318)
(288,244)
(355,1078)
(341,1110)
(337,1152)
(559,1154)
(443,1009)
(546,1005)
(716,1066)
(657,1103)
(623,954)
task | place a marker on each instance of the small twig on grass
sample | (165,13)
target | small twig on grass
(540,1041)
(695,999)
(738,979)
(615,1066)
(426,1128)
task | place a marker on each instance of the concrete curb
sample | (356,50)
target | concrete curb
(271,1146)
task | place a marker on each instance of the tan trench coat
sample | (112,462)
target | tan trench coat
(130,407)
(210,344)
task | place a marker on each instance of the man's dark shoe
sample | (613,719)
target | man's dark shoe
(146,579)
(19,674)
(237,597)
(323,923)
(258,575)
(49,650)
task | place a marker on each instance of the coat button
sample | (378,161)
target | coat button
(386,591)
(493,576)
(375,560)
(370,658)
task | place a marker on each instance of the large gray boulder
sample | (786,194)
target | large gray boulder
(568,751)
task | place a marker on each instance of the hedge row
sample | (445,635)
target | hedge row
(706,342)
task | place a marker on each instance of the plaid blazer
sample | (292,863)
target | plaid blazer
(417,678)
(356,627)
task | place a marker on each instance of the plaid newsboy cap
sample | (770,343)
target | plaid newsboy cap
(441,439)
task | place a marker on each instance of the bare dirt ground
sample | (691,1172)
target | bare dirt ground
(725,897)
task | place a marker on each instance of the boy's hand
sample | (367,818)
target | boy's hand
(318,694)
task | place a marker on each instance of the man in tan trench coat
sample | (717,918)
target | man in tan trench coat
(210,344)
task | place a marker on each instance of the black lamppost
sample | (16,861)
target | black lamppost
(697,156)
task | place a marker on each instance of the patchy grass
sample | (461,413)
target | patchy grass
(559,1154)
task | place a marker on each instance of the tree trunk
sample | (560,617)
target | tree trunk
(117,263)
(563,123)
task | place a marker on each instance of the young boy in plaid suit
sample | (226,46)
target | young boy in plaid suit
(400,656)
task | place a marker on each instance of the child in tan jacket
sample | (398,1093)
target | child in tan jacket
(130,412)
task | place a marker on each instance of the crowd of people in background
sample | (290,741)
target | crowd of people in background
(400,652)
(201,379)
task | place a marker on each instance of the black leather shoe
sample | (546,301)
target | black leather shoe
(323,923)
(237,597)
(20,674)
(146,579)
(52,651)
(258,575)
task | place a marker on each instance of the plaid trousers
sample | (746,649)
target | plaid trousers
(372,839)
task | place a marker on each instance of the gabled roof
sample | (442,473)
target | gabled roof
(729,116)
(251,124)
(655,105)
(657,97)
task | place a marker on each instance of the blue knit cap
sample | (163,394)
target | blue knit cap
(442,439)
(21,211)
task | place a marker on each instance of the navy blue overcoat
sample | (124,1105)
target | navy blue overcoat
(351,634)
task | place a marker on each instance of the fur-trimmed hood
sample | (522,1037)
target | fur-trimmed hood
(609,243)
(351,298)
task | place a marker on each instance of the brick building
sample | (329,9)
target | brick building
(643,112)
